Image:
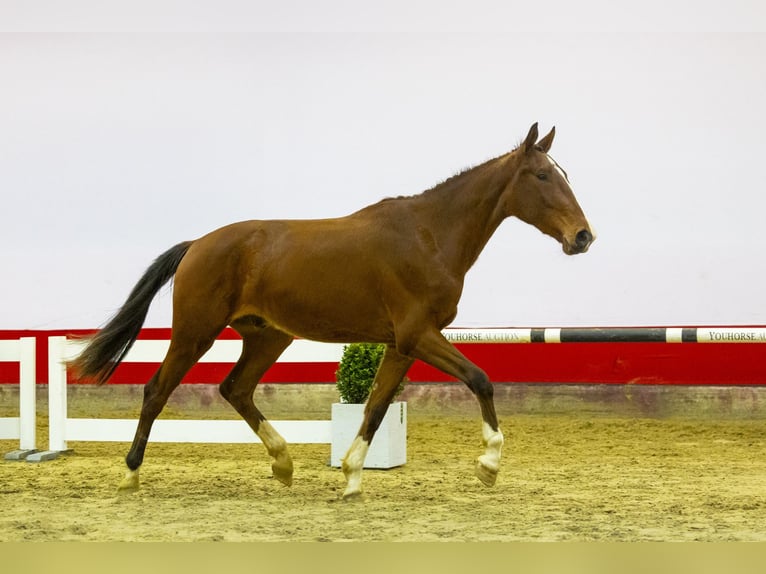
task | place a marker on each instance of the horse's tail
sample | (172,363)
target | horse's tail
(108,347)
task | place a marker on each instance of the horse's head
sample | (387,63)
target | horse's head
(539,194)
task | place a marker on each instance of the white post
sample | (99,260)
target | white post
(27,394)
(57,410)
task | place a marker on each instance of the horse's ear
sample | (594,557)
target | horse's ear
(529,141)
(545,143)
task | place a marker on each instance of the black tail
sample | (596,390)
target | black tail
(109,346)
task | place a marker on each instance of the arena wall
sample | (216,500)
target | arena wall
(646,378)
(584,363)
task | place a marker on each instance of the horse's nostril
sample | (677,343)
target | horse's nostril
(583,238)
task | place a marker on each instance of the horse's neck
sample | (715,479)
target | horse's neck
(463,214)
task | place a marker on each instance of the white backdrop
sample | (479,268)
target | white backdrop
(122,134)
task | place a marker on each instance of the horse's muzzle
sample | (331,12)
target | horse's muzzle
(581,243)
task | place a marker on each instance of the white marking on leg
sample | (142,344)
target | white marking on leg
(352,465)
(130,481)
(276,446)
(493,439)
(272,440)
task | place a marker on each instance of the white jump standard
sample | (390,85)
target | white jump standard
(23,427)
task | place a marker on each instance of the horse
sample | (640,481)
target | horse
(389,273)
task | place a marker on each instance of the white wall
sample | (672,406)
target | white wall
(114,146)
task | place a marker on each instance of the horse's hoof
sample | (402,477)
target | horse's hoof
(129,483)
(486,474)
(353,496)
(283,472)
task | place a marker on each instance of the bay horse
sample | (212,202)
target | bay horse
(389,273)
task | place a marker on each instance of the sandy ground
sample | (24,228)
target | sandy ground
(563,478)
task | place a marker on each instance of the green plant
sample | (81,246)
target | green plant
(356,371)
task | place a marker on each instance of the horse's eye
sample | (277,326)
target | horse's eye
(542,176)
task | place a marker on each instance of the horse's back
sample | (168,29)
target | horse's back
(327,279)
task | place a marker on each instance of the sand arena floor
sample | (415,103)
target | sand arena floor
(563,478)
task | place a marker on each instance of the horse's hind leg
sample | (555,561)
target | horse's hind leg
(261,347)
(182,355)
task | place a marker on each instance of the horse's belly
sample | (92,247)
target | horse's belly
(338,315)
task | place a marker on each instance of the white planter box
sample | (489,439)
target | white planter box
(389,445)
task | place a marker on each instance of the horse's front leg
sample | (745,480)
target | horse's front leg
(352,465)
(488,464)
(435,350)
(392,369)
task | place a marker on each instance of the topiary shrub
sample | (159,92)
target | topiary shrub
(356,371)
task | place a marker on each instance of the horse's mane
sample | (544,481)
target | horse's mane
(453,179)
